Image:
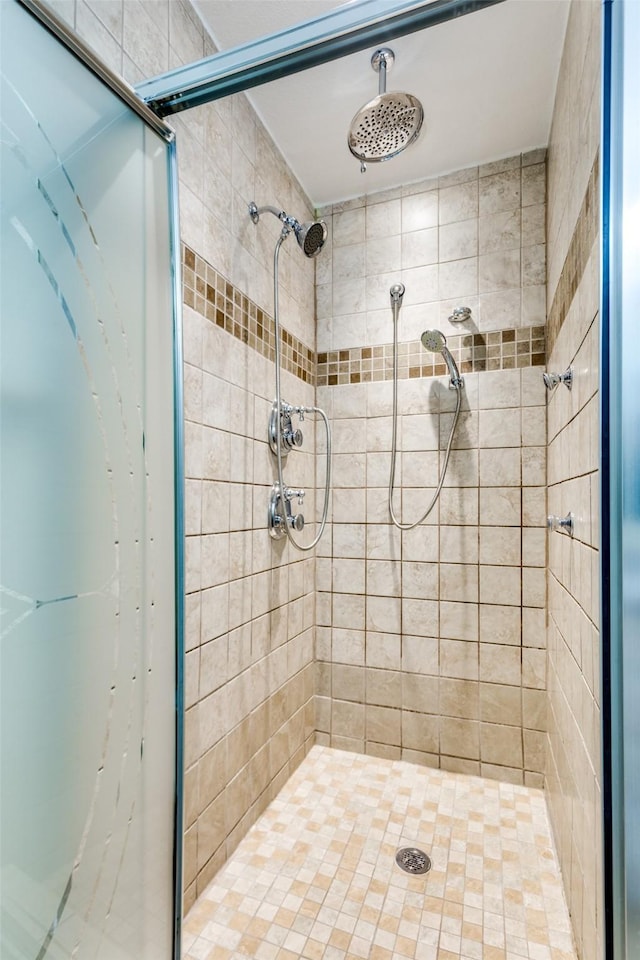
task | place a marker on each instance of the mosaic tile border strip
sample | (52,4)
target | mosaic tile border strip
(582,241)
(215,298)
(477,352)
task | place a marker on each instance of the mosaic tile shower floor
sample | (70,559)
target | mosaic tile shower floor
(316,877)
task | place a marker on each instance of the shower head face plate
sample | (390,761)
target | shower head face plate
(433,340)
(311,237)
(385,126)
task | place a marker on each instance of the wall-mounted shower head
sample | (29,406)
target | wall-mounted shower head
(436,342)
(311,235)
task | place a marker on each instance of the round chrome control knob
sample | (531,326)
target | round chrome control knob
(294,438)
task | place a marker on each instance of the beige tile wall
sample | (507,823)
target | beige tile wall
(431,643)
(478,235)
(250,604)
(250,601)
(573,778)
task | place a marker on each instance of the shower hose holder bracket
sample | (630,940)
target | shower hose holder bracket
(460,315)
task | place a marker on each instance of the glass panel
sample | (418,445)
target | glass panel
(630,452)
(87,706)
(621,477)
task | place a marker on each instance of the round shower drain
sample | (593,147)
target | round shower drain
(412,860)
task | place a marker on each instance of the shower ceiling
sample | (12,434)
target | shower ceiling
(486,80)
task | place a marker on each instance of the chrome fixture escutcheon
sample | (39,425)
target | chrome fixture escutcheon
(277,517)
(290,439)
(551,380)
(562,524)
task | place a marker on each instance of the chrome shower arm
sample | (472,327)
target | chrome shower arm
(255,211)
(311,234)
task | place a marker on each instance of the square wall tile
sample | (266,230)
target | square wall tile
(383,725)
(459,659)
(500,664)
(460,738)
(501,744)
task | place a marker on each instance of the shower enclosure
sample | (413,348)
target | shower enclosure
(63,889)
(90,645)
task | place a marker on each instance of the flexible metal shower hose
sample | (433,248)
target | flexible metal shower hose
(394,436)
(321,413)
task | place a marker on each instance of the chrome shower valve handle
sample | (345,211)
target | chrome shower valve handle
(291,494)
(289,408)
(290,439)
(278,519)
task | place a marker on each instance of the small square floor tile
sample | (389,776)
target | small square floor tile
(316,877)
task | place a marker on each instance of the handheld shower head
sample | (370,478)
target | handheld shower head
(436,342)
(433,341)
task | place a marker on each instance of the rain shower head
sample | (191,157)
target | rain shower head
(388,124)
(436,342)
(311,236)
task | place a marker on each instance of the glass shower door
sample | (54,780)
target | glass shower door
(621,477)
(87,545)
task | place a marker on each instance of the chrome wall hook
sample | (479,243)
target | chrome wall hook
(562,524)
(551,380)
